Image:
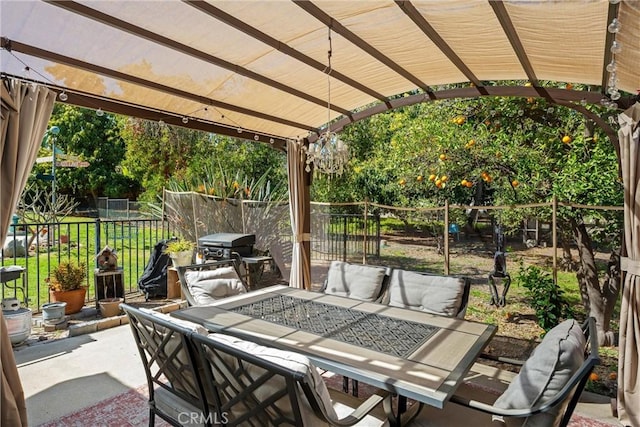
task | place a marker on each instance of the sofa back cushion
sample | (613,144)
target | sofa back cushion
(441,295)
(362,282)
(545,373)
(207,286)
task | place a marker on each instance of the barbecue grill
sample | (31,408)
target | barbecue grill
(226,245)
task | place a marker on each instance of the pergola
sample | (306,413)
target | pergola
(258,70)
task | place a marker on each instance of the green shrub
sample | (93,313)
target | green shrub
(545,297)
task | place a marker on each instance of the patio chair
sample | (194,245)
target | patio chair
(544,393)
(256,385)
(170,366)
(442,295)
(205,283)
(358,281)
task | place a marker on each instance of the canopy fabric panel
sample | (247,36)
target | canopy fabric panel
(258,69)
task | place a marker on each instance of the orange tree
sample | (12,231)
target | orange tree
(495,151)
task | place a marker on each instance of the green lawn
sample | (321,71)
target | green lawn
(133,241)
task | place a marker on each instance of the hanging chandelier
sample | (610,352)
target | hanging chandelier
(328,154)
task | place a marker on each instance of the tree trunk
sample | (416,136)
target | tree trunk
(599,301)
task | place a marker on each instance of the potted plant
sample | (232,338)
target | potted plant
(180,251)
(67,284)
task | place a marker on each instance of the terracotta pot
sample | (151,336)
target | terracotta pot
(110,307)
(74,299)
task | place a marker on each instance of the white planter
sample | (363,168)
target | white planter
(180,259)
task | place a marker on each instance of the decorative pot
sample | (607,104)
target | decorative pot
(53,312)
(74,299)
(180,259)
(18,324)
(110,307)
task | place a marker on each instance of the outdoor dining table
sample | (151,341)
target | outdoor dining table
(411,353)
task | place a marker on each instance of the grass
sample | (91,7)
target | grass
(134,245)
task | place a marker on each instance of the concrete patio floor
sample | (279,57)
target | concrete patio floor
(65,375)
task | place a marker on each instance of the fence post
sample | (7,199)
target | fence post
(446,237)
(554,237)
(365,231)
(344,239)
(97,238)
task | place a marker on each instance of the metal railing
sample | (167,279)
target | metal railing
(40,247)
(339,236)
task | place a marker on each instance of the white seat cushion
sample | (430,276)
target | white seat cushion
(546,371)
(191,326)
(362,282)
(431,293)
(207,286)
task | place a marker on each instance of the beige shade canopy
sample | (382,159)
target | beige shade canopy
(257,69)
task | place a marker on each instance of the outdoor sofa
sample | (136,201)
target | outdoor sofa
(437,294)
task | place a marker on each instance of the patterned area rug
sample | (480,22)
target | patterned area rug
(129,409)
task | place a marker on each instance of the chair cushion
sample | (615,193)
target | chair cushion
(431,293)
(178,409)
(546,371)
(362,282)
(207,286)
(290,360)
(191,326)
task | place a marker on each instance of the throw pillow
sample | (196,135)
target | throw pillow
(550,366)
(207,286)
(362,282)
(434,294)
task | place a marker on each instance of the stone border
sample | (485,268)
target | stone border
(66,329)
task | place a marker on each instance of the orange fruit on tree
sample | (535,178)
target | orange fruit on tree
(515,183)
(443,157)
(469,184)
(613,376)
(460,120)
(432,177)
(594,377)
(402,182)
(444,178)
(464,182)
(438,183)
(419,178)
(569,86)
(567,139)
(527,84)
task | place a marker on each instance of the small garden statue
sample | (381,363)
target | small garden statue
(107,259)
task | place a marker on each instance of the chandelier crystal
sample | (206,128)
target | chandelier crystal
(328,154)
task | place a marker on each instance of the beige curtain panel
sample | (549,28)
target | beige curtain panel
(26,109)
(629,348)
(295,169)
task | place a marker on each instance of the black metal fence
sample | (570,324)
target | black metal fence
(340,236)
(40,247)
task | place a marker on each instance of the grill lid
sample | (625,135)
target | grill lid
(227,240)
